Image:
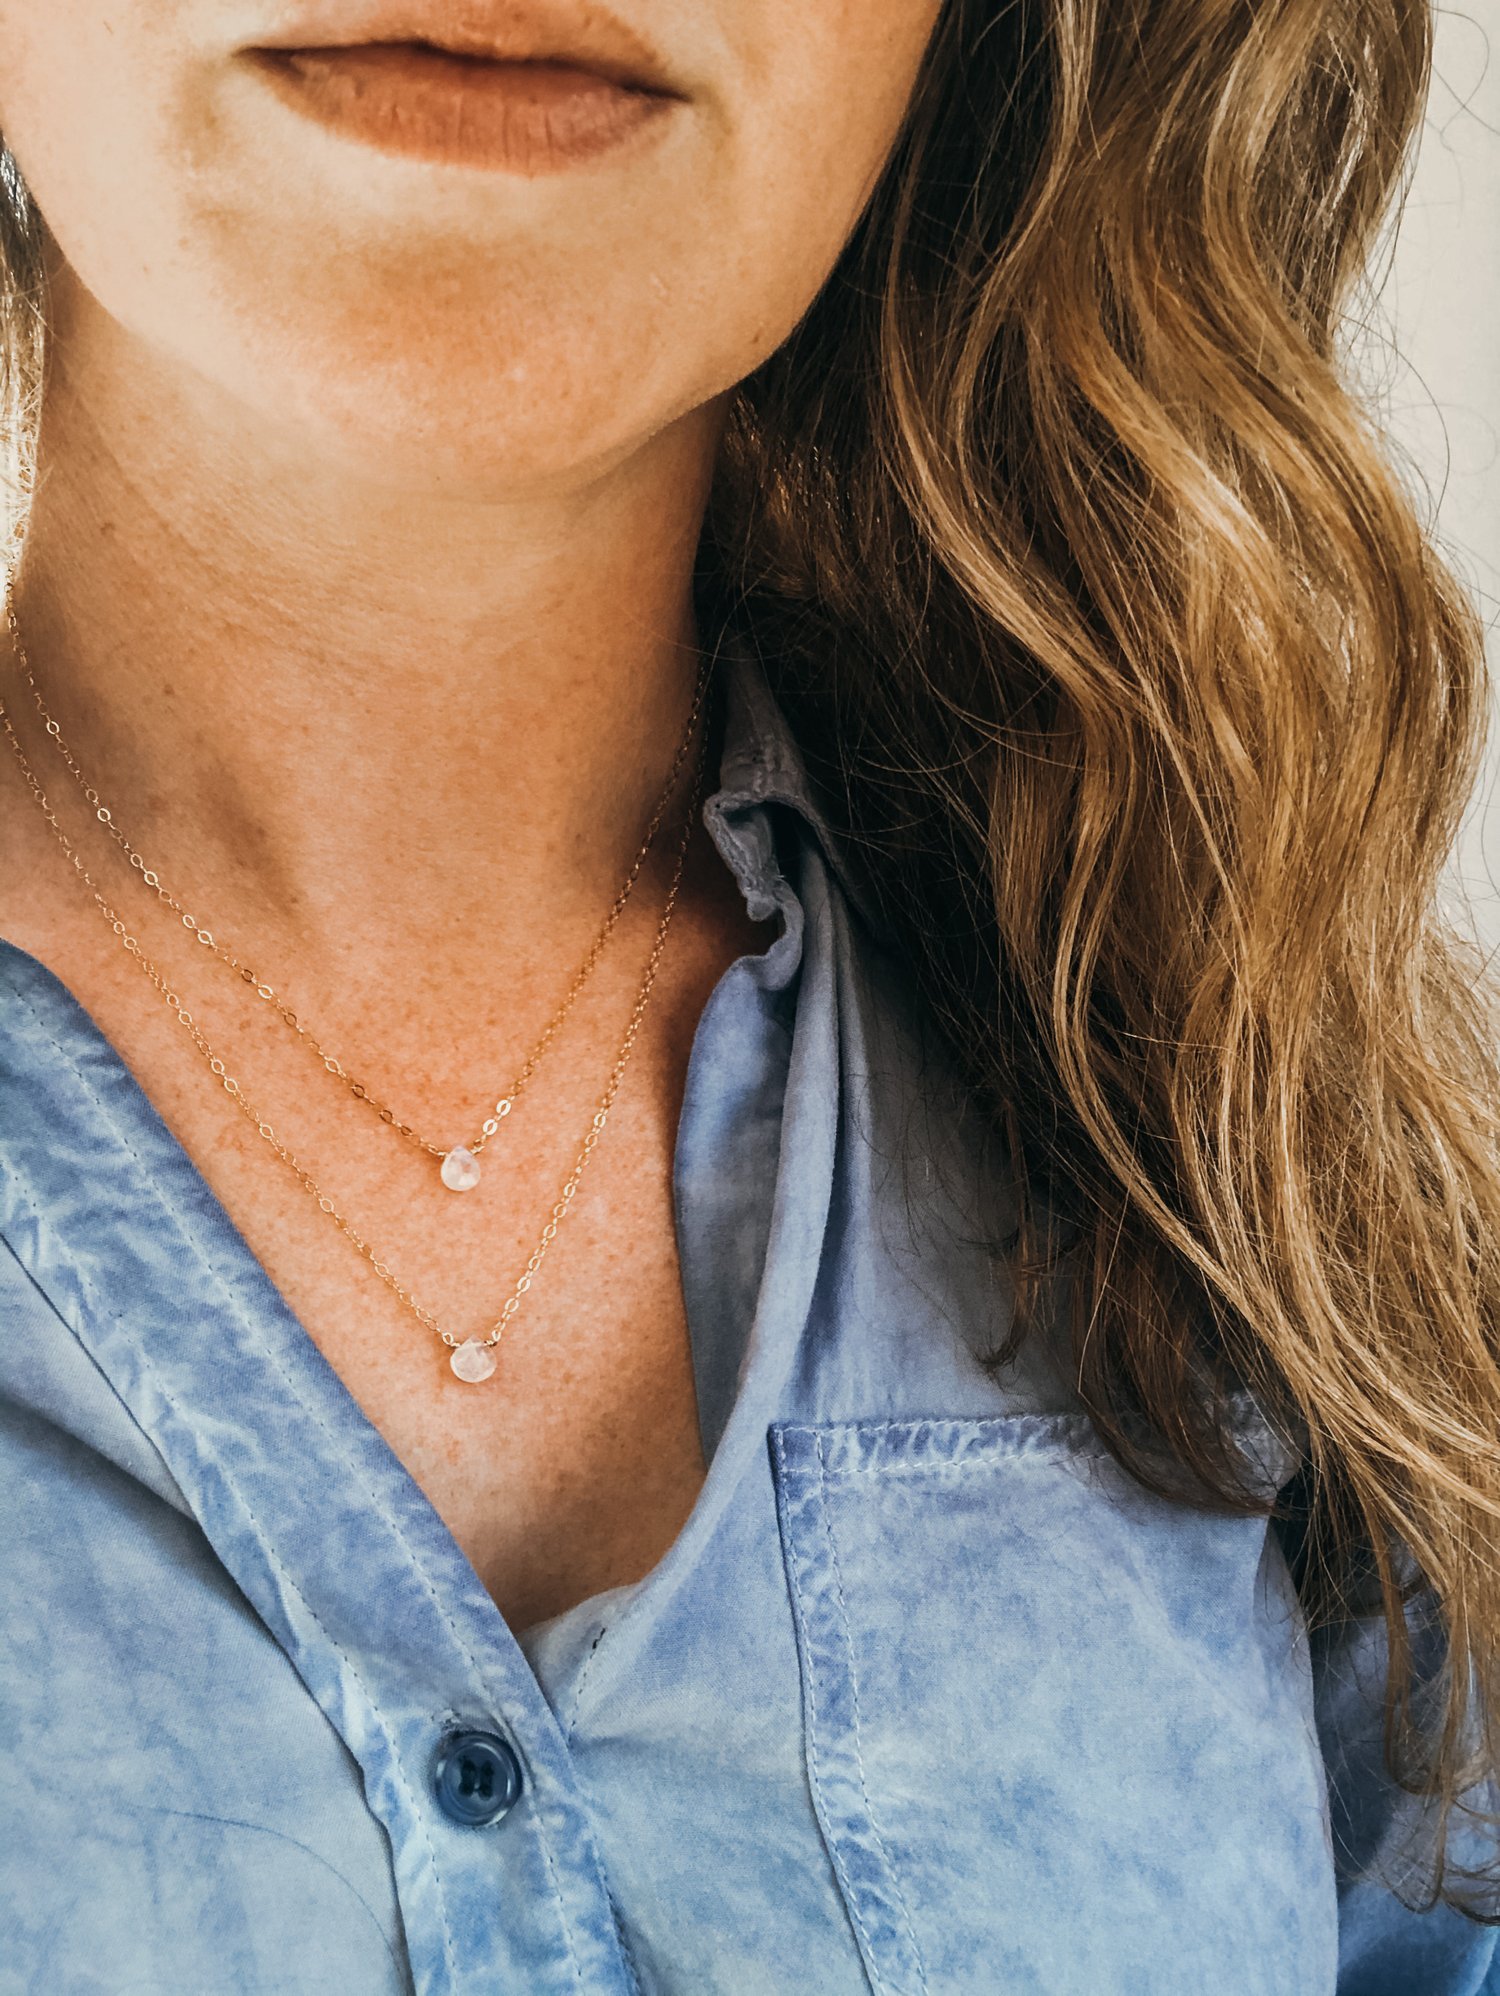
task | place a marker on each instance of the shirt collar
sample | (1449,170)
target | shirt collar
(761,763)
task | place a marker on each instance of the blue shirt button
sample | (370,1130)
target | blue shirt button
(477,1778)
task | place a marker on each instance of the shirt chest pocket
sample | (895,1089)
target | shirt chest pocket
(1057,1731)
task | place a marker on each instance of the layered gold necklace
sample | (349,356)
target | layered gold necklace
(472,1358)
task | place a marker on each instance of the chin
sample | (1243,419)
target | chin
(477,406)
(475,445)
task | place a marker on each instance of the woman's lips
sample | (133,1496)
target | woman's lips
(528,117)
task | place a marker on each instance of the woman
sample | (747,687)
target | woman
(749,1209)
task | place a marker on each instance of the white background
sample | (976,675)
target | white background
(1430,353)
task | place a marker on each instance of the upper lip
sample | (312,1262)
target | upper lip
(588,37)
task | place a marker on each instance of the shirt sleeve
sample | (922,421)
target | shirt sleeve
(1385,1948)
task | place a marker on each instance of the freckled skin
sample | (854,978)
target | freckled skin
(387,476)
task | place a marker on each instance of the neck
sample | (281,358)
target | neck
(359,718)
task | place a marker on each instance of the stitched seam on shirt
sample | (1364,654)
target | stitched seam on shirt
(859,1759)
(1063,1420)
(233,1303)
(270,1551)
(577,1698)
(851,1896)
(1069,1431)
(625,1954)
(888,1469)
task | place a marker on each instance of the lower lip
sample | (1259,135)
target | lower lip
(520,117)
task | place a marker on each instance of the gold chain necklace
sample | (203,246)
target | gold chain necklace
(472,1358)
(460,1168)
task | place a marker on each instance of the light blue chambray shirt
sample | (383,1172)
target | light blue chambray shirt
(925,1697)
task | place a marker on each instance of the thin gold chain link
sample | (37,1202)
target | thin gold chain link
(288,1157)
(212,940)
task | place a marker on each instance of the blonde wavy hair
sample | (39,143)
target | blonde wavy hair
(1127,665)
(1130,671)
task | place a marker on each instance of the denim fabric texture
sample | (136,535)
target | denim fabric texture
(925,1697)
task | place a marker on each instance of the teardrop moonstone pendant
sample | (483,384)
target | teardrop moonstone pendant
(460,1170)
(473,1361)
